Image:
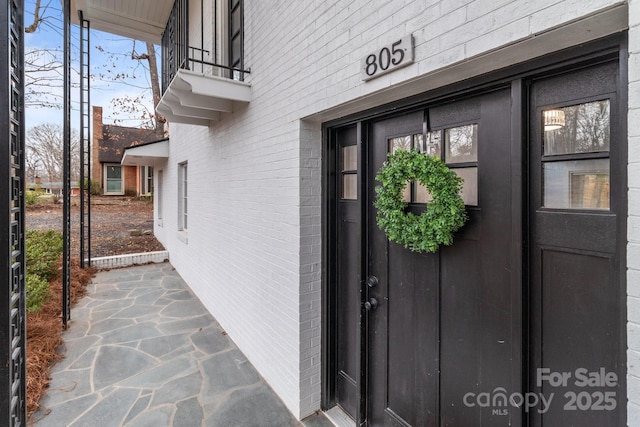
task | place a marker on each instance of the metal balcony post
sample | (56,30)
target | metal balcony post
(12,231)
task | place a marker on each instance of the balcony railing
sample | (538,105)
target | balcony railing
(179,52)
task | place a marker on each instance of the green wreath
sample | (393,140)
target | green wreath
(444,215)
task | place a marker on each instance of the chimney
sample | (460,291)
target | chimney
(96,172)
(38,180)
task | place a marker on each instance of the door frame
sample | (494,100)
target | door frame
(516,77)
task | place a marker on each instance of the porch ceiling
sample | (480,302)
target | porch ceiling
(138,19)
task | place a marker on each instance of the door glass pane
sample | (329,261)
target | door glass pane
(235,48)
(406,143)
(461,144)
(350,186)
(577,184)
(469,192)
(235,20)
(582,128)
(400,143)
(149,179)
(434,143)
(349,167)
(350,158)
(421,194)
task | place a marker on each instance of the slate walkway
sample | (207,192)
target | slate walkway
(142,350)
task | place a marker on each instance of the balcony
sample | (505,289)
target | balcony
(202,50)
(202,62)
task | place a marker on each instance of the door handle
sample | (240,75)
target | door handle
(372,281)
(371,304)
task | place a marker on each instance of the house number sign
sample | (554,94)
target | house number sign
(388,58)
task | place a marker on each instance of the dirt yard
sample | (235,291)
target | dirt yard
(119,225)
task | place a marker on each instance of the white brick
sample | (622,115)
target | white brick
(633,363)
(634,150)
(633,413)
(634,199)
(633,283)
(633,309)
(634,118)
(633,338)
(633,388)
(634,13)
(633,256)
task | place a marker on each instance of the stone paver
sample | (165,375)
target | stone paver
(141,350)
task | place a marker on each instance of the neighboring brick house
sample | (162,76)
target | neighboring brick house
(108,146)
(281,115)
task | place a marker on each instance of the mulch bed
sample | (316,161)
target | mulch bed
(44,329)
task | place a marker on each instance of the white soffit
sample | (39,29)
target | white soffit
(195,98)
(146,154)
(138,19)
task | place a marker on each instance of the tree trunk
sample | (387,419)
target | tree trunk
(155,88)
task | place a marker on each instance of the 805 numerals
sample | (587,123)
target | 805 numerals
(398,54)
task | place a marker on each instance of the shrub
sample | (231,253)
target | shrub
(37,292)
(43,250)
(93,186)
(30,197)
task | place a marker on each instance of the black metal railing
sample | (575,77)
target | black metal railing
(12,232)
(85,142)
(179,51)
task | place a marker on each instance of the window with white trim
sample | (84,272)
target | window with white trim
(146,180)
(182,196)
(159,196)
(113,179)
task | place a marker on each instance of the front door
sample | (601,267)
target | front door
(444,325)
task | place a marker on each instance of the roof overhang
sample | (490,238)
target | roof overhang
(150,154)
(196,98)
(137,19)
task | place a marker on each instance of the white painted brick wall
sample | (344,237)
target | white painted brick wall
(253,246)
(633,224)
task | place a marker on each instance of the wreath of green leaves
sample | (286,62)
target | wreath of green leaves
(444,214)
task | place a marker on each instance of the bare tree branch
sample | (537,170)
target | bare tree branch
(36,19)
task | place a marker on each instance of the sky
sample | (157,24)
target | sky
(110,56)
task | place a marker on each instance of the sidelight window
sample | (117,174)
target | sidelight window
(349,170)
(575,160)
